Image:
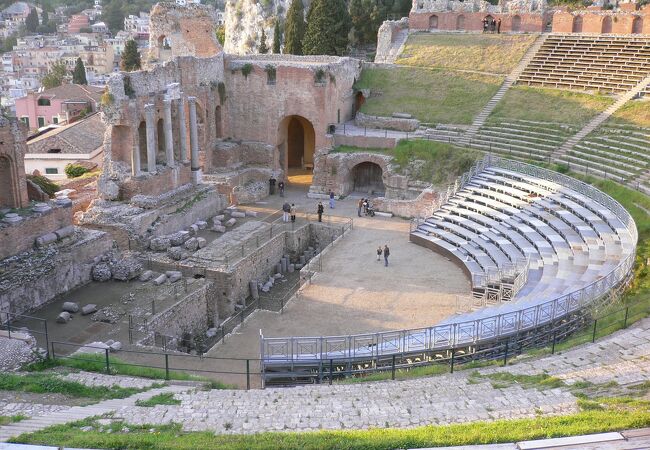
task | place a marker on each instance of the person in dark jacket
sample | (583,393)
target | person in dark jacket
(281,188)
(272,185)
(286,209)
(386,254)
(320,211)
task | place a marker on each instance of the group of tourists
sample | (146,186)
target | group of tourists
(272,182)
(289,211)
(490,25)
(385,251)
(365,206)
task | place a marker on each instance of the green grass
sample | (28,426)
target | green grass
(494,53)
(441,162)
(430,95)
(616,414)
(506,379)
(633,113)
(90,362)
(52,384)
(160,399)
(6,420)
(548,105)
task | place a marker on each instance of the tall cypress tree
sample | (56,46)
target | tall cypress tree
(360,17)
(294,28)
(263,48)
(79,73)
(277,38)
(328,25)
(130,57)
(31,21)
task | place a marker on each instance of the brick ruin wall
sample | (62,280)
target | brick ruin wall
(473,21)
(13,183)
(595,21)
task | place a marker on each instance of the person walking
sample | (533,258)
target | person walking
(499,26)
(379,251)
(292,211)
(359,207)
(286,208)
(320,211)
(272,185)
(331,199)
(386,254)
(281,188)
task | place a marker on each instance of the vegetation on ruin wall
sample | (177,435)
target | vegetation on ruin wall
(634,113)
(549,105)
(429,161)
(430,95)
(6,420)
(595,417)
(492,53)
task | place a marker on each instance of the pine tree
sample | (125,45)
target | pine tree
(130,57)
(277,38)
(294,28)
(31,21)
(263,49)
(328,25)
(359,16)
(79,73)
(45,18)
(55,76)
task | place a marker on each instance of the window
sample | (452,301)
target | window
(25,120)
(51,171)
(54,150)
(55,120)
(44,102)
(41,122)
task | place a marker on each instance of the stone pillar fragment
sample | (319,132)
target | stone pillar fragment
(136,165)
(149,111)
(169,142)
(194,142)
(182,130)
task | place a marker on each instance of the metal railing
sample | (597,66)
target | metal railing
(467,332)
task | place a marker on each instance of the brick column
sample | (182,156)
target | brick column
(169,139)
(149,111)
(182,129)
(194,142)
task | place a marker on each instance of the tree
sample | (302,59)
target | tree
(130,57)
(277,37)
(328,25)
(31,21)
(55,76)
(263,48)
(79,73)
(113,16)
(359,16)
(221,34)
(45,18)
(294,28)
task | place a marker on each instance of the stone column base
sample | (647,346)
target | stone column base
(197,176)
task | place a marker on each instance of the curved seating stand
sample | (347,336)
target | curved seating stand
(541,249)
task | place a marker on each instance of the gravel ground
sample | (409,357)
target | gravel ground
(14,353)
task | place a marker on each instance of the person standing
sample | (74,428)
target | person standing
(331,199)
(292,211)
(386,254)
(281,188)
(320,210)
(499,26)
(272,185)
(379,251)
(286,208)
(359,207)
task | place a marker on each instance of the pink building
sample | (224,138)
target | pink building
(63,104)
(77,22)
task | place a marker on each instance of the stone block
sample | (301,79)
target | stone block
(175,276)
(116,346)
(251,213)
(218,229)
(65,232)
(292,268)
(193,229)
(147,275)
(231,222)
(254,291)
(298,266)
(160,280)
(202,242)
(90,308)
(202,224)
(176,253)
(238,214)
(70,307)
(127,269)
(101,272)
(46,239)
(64,317)
(160,244)
(179,238)
(191,244)
(219,218)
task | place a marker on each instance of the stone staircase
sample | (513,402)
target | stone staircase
(600,118)
(480,119)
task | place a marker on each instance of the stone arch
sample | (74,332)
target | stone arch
(433,22)
(298,140)
(577,24)
(160,140)
(218,128)
(8,194)
(460,22)
(516,23)
(164,46)
(142,144)
(367,177)
(637,25)
(606,27)
(121,143)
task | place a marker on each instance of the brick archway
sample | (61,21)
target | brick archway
(606,25)
(367,177)
(297,142)
(8,182)
(637,25)
(577,24)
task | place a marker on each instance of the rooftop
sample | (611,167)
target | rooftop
(84,136)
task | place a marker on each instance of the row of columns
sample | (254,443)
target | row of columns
(150,121)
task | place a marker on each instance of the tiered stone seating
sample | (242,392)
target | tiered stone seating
(501,215)
(615,150)
(521,139)
(598,62)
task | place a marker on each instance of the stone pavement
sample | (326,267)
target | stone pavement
(452,398)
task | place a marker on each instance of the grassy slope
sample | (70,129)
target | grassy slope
(482,52)
(606,415)
(430,95)
(549,105)
(635,113)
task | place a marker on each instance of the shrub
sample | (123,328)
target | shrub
(319,76)
(246,69)
(75,170)
(106,99)
(221,88)
(46,185)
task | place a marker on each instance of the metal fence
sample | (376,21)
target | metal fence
(466,332)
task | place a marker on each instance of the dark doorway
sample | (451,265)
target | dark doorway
(516,23)
(7,194)
(637,26)
(295,143)
(577,24)
(367,178)
(433,22)
(142,143)
(160,155)
(607,25)
(217,122)
(359,100)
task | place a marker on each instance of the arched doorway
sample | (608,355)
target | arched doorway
(516,23)
(367,177)
(359,100)
(577,24)
(637,25)
(433,22)
(160,135)
(607,25)
(142,143)
(7,194)
(122,143)
(297,143)
(460,23)
(164,47)
(218,133)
